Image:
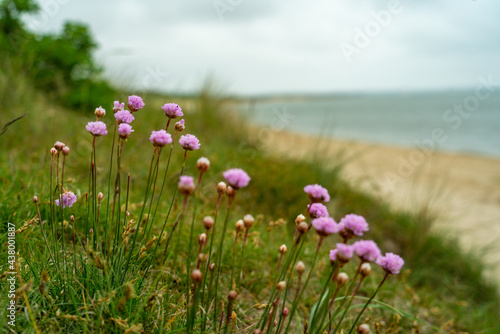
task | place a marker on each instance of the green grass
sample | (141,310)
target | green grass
(441,286)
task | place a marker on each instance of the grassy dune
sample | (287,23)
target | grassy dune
(440,289)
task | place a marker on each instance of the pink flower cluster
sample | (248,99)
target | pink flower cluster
(160,138)
(343,253)
(317,193)
(237,178)
(135,103)
(97,128)
(354,224)
(391,263)
(172,110)
(124,130)
(117,106)
(186,185)
(189,142)
(124,116)
(325,226)
(366,250)
(317,210)
(68,199)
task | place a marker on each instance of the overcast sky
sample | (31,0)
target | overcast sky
(292,46)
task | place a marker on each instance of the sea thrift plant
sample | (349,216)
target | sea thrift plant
(168,275)
(189,142)
(317,193)
(160,138)
(237,178)
(124,116)
(68,199)
(172,110)
(97,128)
(135,103)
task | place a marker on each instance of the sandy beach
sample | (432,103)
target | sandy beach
(463,191)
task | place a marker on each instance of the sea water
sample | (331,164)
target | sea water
(453,121)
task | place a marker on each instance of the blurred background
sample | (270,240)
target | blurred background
(406,94)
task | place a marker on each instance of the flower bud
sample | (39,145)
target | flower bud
(363,329)
(35,199)
(283,249)
(201,257)
(53,151)
(211,266)
(365,269)
(257,331)
(232,295)
(230,191)
(281,286)
(91,230)
(248,221)
(239,226)
(203,164)
(300,267)
(180,126)
(221,188)
(186,185)
(303,227)
(202,239)
(59,146)
(72,218)
(208,223)
(342,279)
(285,312)
(233,315)
(100,112)
(299,219)
(100,196)
(196,275)
(65,150)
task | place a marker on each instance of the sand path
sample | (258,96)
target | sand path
(462,190)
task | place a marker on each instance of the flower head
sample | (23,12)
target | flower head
(160,138)
(366,250)
(124,130)
(68,199)
(203,164)
(317,193)
(117,106)
(353,225)
(317,210)
(100,112)
(189,142)
(391,263)
(237,178)
(97,128)
(172,110)
(325,226)
(124,116)
(186,185)
(135,103)
(180,126)
(343,253)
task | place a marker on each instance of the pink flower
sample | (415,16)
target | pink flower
(354,224)
(391,263)
(237,178)
(189,142)
(343,253)
(97,128)
(325,226)
(124,130)
(172,110)
(366,250)
(68,199)
(317,193)
(186,185)
(135,103)
(117,106)
(124,116)
(160,138)
(317,210)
